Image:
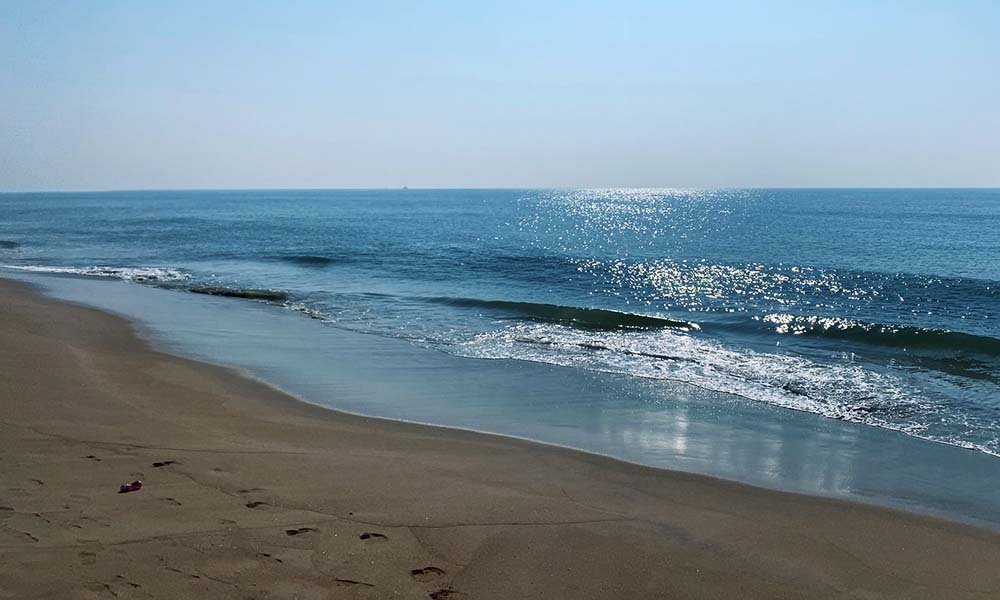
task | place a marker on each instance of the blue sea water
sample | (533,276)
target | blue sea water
(874,307)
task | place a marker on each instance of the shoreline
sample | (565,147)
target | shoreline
(690,429)
(498,516)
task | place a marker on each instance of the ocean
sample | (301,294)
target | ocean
(841,310)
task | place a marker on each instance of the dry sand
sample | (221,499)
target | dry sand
(251,494)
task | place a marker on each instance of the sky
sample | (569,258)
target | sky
(319,94)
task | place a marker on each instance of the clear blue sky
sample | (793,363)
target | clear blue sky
(114,95)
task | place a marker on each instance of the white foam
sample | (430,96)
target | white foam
(137,274)
(306,310)
(841,391)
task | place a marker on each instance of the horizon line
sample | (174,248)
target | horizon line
(478,188)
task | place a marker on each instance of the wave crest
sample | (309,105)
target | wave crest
(882,334)
(245,293)
(573,316)
(306,260)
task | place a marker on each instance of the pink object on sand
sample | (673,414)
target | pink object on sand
(130,487)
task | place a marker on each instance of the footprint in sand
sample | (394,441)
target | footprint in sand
(172,501)
(351,582)
(29,536)
(98,587)
(164,463)
(271,556)
(426,574)
(370,535)
(299,530)
(93,458)
(131,584)
(255,504)
(87,558)
(447,593)
(191,575)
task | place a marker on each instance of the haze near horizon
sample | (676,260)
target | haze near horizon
(110,95)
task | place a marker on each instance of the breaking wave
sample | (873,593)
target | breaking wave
(901,336)
(573,316)
(837,390)
(160,277)
(136,274)
(245,293)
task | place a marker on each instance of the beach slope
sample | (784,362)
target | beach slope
(248,493)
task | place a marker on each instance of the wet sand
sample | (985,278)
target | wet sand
(249,493)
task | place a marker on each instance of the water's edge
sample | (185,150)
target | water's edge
(164,340)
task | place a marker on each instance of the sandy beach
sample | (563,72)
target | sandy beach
(249,493)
